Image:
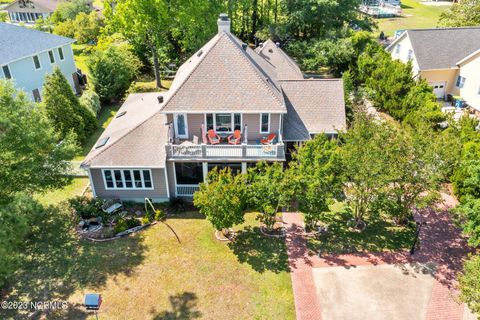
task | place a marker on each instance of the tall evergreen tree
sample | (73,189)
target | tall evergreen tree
(63,108)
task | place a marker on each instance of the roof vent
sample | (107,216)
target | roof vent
(260,44)
(160,99)
(102,142)
(121,114)
(199,53)
(244,46)
(277,44)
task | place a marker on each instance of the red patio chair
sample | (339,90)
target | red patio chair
(213,137)
(269,139)
(235,138)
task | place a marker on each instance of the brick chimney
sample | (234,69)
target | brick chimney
(223,23)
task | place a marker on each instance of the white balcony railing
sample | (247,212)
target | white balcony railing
(225,151)
(186,190)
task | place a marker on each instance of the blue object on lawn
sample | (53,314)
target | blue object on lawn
(93,301)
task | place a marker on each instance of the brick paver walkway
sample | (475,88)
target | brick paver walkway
(306,300)
(440,243)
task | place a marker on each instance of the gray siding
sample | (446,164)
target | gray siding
(195,125)
(158,193)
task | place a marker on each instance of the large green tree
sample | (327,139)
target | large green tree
(112,71)
(32,159)
(64,109)
(68,10)
(465,13)
(315,175)
(222,199)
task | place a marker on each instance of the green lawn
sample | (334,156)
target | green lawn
(152,276)
(75,188)
(415,15)
(379,235)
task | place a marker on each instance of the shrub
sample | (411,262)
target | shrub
(132,223)
(112,71)
(139,87)
(468,214)
(145,220)
(91,101)
(159,215)
(86,208)
(120,226)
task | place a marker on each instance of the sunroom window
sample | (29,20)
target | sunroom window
(128,179)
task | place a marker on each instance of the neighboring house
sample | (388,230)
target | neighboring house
(28,11)
(447,58)
(27,56)
(157,146)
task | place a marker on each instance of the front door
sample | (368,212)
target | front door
(439,89)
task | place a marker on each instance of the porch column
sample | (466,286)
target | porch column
(205,171)
(244,167)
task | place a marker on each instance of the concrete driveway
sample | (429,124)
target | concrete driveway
(374,292)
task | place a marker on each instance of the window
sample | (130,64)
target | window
(60,53)
(460,82)
(224,122)
(188,173)
(410,55)
(6,72)
(128,179)
(181,125)
(51,56)
(265,123)
(36,62)
(36,95)
(397,49)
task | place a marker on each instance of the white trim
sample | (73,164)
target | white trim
(243,112)
(114,180)
(33,60)
(280,129)
(166,183)
(260,128)
(175,117)
(123,167)
(9,70)
(92,186)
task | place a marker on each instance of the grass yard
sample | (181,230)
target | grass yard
(379,235)
(75,188)
(415,15)
(152,276)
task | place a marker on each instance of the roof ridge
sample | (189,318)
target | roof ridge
(443,28)
(120,138)
(255,69)
(204,55)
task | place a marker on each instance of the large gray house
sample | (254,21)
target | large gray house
(228,105)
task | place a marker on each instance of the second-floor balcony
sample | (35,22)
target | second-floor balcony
(244,151)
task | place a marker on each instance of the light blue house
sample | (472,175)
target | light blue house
(27,56)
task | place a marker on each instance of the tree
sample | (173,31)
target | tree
(364,164)
(465,13)
(85,28)
(267,190)
(63,108)
(112,71)
(469,284)
(315,175)
(91,101)
(14,227)
(222,199)
(68,10)
(32,159)
(468,214)
(65,28)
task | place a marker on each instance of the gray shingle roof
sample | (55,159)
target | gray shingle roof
(135,139)
(17,42)
(442,48)
(284,65)
(314,106)
(222,76)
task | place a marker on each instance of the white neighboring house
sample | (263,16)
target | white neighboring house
(447,58)
(27,56)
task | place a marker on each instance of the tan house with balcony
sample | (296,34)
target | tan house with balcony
(228,106)
(447,58)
